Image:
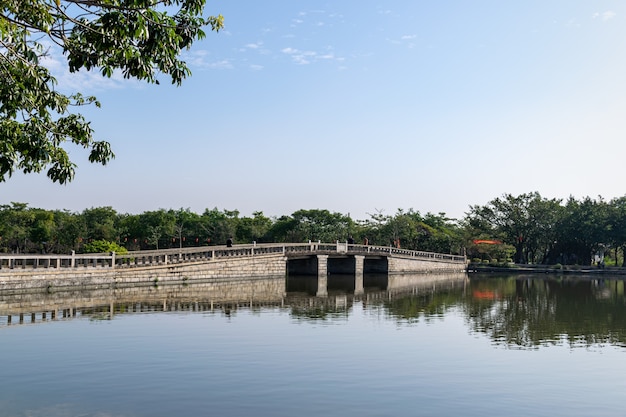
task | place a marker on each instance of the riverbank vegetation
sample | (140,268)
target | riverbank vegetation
(527,229)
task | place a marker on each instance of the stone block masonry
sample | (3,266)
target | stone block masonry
(399,265)
(32,272)
(17,280)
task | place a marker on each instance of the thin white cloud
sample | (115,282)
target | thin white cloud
(306,57)
(83,80)
(255,46)
(301,15)
(306,13)
(202,59)
(299,57)
(404,40)
(256,67)
(608,15)
(197,58)
(223,64)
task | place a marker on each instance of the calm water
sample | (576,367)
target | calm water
(452,346)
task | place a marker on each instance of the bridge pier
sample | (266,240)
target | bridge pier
(322,276)
(359,261)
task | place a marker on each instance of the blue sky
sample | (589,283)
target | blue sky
(363,107)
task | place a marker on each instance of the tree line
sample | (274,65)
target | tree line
(527,228)
(24,229)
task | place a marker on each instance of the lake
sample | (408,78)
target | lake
(420,345)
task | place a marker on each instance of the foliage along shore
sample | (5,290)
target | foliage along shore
(524,229)
(558,269)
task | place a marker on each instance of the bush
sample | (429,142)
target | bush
(103,246)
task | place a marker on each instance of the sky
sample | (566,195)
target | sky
(362,108)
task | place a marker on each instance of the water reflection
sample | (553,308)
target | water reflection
(296,293)
(515,311)
(528,312)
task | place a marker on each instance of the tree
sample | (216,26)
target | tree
(184,219)
(70,228)
(253,229)
(321,225)
(103,246)
(618,226)
(131,229)
(141,38)
(16,221)
(374,228)
(513,220)
(526,221)
(42,228)
(284,229)
(584,230)
(154,226)
(101,223)
(544,215)
(219,225)
(445,235)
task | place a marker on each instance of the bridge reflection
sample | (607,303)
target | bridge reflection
(295,293)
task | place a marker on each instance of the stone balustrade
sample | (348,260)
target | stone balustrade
(137,259)
(28,272)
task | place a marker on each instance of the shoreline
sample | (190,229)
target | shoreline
(545,269)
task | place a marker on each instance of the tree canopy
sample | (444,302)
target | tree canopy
(527,228)
(141,38)
(24,229)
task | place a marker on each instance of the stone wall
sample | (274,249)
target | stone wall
(18,280)
(198,295)
(223,268)
(398,265)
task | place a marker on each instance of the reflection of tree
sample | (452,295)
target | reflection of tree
(514,311)
(524,311)
(532,312)
(319,313)
(426,305)
(513,315)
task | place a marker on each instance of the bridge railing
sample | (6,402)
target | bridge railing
(202,254)
(390,250)
(142,258)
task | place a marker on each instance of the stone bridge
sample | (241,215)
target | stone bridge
(26,272)
(222,297)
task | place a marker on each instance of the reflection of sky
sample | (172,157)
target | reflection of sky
(268,363)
